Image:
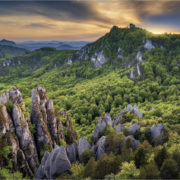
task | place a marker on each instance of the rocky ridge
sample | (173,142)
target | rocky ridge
(31,136)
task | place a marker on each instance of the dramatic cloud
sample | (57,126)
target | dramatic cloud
(84,20)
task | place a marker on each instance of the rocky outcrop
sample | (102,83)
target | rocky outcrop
(119,128)
(156,130)
(131,109)
(13,95)
(82,145)
(39,119)
(133,128)
(99,59)
(55,164)
(100,147)
(51,120)
(72,152)
(6,124)
(102,123)
(148,45)
(26,141)
(10,62)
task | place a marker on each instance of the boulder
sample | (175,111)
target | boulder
(57,163)
(156,130)
(82,145)
(100,147)
(119,128)
(133,128)
(72,152)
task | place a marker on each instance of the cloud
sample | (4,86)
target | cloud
(58,10)
(40,25)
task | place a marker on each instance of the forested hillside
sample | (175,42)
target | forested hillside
(125,66)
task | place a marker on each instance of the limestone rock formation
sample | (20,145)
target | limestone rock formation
(56,163)
(25,138)
(156,130)
(133,128)
(39,118)
(82,145)
(119,128)
(72,152)
(100,147)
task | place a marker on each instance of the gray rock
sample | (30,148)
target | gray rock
(129,108)
(82,145)
(4,97)
(51,120)
(107,119)
(25,138)
(39,118)
(139,56)
(148,45)
(120,128)
(156,130)
(133,128)
(100,147)
(99,128)
(57,163)
(72,152)
(99,59)
(40,173)
(137,111)
(6,124)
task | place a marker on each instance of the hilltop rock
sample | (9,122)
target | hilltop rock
(82,145)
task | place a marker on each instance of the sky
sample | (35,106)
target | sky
(83,20)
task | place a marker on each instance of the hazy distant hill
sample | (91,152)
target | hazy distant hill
(33,45)
(7,42)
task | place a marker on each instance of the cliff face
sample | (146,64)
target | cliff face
(30,137)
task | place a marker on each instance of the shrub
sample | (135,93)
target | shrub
(86,156)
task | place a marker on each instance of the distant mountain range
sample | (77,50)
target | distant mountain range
(22,48)
(33,45)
